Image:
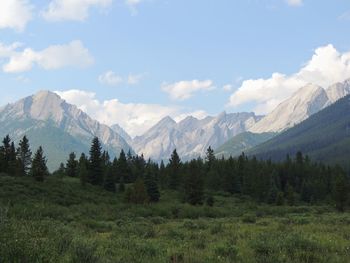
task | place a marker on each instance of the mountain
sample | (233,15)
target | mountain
(241,143)
(191,136)
(305,102)
(122,133)
(325,136)
(59,127)
(338,91)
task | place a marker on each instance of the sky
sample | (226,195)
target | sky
(133,62)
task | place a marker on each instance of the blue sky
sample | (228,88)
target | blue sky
(135,61)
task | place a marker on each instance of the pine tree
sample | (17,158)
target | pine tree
(210,158)
(39,169)
(72,166)
(12,161)
(163,178)
(24,156)
(83,169)
(174,167)
(5,152)
(151,184)
(109,183)
(95,163)
(123,168)
(194,184)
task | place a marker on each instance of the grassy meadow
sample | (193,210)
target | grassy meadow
(60,221)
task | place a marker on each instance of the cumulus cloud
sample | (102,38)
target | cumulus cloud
(110,78)
(77,10)
(294,2)
(15,14)
(54,57)
(326,67)
(184,90)
(135,118)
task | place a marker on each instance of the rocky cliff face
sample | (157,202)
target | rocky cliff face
(191,137)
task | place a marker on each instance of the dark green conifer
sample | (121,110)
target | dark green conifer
(174,168)
(72,166)
(39,169)
(95,163)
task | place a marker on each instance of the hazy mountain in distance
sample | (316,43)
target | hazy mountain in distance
(191,136)
(58,126)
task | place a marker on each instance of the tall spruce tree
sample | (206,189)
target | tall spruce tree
(12,161)
(109,183)
(39,169)
(122,168)
(24,155)
(83,169)
(5,152)
(151,184)
(174,168)
(72,166)
(95,163)
(194,191)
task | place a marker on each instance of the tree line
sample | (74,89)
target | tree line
(295,180)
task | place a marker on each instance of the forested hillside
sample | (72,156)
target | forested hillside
(325,137)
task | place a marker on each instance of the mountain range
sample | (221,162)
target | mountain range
(192,137)
(59,127)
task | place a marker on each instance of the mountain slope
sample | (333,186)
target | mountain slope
(241,143)
(191,137)
(122,133)
(56,125)
(325,136)
(304,103)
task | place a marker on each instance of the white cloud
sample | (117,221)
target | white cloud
(77,10)
(326,67)
(227,87)
(110,78)
(54,57)
(185,89)
(15,14)
(295,2)
(135,118)
(134,79)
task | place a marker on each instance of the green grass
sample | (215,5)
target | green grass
(59,221)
